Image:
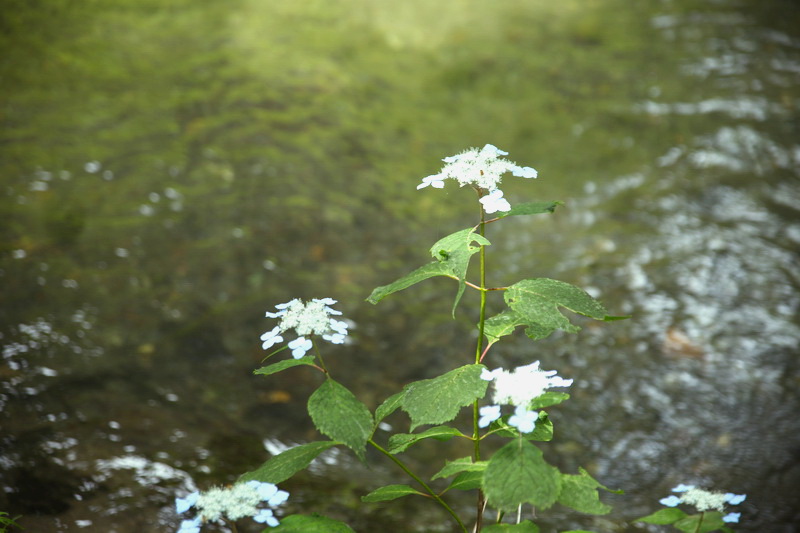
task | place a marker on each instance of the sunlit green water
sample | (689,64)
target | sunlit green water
(170,170)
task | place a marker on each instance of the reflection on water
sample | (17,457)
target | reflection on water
(714,384)
(155,203)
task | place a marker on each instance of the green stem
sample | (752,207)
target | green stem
(278,350)
(700,522)
(468,284)
(321,361)
(482,319)
(424,485)
(476,454)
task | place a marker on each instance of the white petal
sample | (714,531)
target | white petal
(497,151)
(734,499)
(274,332)
(670,501)
(487,375)
(269,343)
(524,172)
(279,497)
(184,504)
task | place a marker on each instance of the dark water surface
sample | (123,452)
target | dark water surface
(172,169)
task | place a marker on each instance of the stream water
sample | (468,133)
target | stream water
(171,170)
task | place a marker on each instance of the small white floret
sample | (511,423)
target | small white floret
(523,419)
(489,414)
(436,181)
(670,501)
(494,202)
(265,516)
(190,526)
(184,504)
(299,347)
(735,499)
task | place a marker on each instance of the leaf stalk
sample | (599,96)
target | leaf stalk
(424,485)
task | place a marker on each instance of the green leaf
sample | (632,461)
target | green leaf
(543,431)
(502,324)
(402,441)
(452,254)
(422,273)
(700,523)
(547,399)
(315,523)
(518,474)
(438,400)
(615,318)
(388,407)
(526,526)
(466,481)
(283,466)
(455,251)
(6,521)
(389,492)
(580,493)
(464,464)
(338,414)
(538,302)
(456,248)
(531,208)
(663,516)
(283,365)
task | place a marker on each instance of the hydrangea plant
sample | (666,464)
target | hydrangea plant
(229,504)
(313,318)
(516,476)
(710,504)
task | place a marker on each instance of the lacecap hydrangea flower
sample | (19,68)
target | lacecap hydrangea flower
(704,500)
(306,319)
(518,388)
(483,168)
(232,503)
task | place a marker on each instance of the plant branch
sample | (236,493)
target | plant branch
(484,352)
(476,454)
(700,522)
(424,485)
(321,361)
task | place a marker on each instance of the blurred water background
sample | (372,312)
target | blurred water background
(171,169)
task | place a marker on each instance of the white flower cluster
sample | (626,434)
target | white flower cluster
(232,503)
(482,168)
(704,500)
(518,388)
(313,318)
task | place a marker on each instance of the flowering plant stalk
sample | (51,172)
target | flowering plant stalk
(513,479)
